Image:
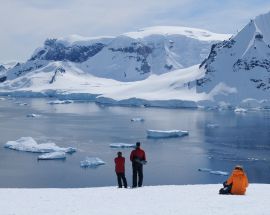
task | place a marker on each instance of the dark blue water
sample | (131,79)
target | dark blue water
(240,139)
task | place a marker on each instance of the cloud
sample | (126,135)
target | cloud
(25,24)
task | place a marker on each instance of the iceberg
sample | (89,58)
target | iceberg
(28,144)
(60,102)
(92,162)
(52,156)
(166,133)
(122,145)
(137,119)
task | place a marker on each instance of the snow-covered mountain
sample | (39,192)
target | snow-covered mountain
(240,66)
(129,57)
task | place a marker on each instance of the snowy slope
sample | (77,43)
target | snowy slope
(158,200)
(240,64)
(129,57)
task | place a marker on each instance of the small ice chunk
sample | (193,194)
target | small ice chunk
(92,162)
(28,144)
(165,133)
(23,104)
(204,170)
(240,110)
(212,125)
(219,173)
(52,156)
(2,99)
(33,115)
(137,119)
(122,145)
(60,102)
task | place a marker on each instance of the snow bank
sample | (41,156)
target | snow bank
(137,119)
(92,162)
(157,200)
(52,156)
(28,144)
(122,145)
(166,134)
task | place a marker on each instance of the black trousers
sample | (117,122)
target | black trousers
(226,189)
(137,172)
(121,177)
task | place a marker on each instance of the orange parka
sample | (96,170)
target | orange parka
(239,182)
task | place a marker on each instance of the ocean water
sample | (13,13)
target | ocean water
(236,139)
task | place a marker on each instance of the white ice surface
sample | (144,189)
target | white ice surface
(152,200)
(52,156)
(165,133)
(28,144)
(122,145)
(92,162)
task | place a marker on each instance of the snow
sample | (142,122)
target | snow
(158,200)
(194,33)
(28,144)
(137,119)
(122,145)
(92,162)
(52,156)
(166,133)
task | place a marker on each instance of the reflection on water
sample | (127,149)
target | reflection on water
(238,139)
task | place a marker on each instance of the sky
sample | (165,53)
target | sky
(25,24)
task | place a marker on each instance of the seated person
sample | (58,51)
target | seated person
(236,183)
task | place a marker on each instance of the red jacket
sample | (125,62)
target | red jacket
(119,164)
(137,153)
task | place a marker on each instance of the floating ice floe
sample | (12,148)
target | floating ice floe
(240,110)
(219,173)
(212,125)
(23,104)
(122,145)
(92,162)
(204,170)
(2,99)
(215,172)
(33,115)
(137,119)
(52,156)
(60,102)
(28,144)
(165,134)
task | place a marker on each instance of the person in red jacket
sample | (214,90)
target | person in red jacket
(137,157)
(120,170)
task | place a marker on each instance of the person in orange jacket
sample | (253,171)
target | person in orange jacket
(236,183)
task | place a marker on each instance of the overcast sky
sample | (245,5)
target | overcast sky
(25,24)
